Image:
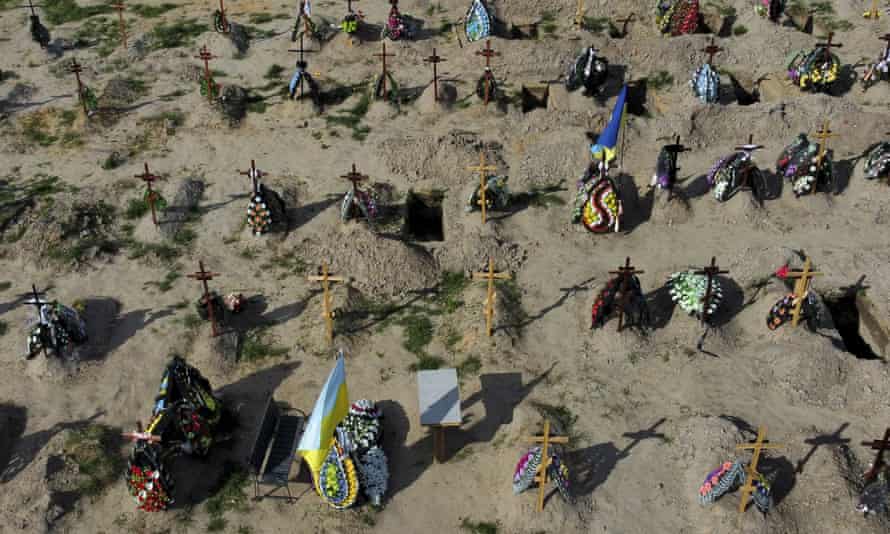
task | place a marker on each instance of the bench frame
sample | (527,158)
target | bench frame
(269,432)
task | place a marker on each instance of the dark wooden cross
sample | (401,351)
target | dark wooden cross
(383,55)
(349,5)
(745,178)
(674,149)
(626,272)
(31,5)
(75,68)
(624,22)
(435,59)
(711,50)
(151,196)
(301,63)
(881,446)
(254,174)
(119,6)
(710,271)
(487,53)
(828,45)
(355,177)
(222,16)
(204,276)
(206,56)
(37,303)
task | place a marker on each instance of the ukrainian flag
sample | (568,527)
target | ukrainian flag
(330,408)
(606,147)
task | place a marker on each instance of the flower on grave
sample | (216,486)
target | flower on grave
(782,272)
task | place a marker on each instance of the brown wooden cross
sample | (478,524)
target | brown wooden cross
(488,53)
(75,68)
(349,5)
(383,55)
(355,177)
(624,22)
(823,136)
(204,276)
(874,13)
(119,6)
(745,177)
(880,446)
(800,288)
(36,301)
(626,272)
(541,477)
(751,470)
(675,148)
(490,276)
(151,196)
(711,50)
(828,44)
(710,271)
(254,174)
(206,56)
(141,435)
(222,16)
(325,278)
(435,59)
(482,169)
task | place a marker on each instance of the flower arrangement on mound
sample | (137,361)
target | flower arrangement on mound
(815,70)
(148,490)
(801,165)
(729,477)
(877,162)
(337,482)
(688,290)
(527,469)
(705,84)
(677,17)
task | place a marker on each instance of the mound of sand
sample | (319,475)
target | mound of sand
(443,157)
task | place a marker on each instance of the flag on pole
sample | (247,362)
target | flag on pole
(606,147)
(330,408)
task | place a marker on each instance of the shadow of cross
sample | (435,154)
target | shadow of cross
(641,435)
(825,439)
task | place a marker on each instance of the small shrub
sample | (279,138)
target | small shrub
(274,72)
(150,12)
(260,344)
(479,527)
(95,450)
(417,333)
(62,11)
(177,34)
(739,30)
(471,366)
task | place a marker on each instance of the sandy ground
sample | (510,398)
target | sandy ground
(653,415)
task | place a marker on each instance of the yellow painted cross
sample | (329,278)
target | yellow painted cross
(327,313)
(579,15)
(800,288)
(482,169)
(491,275)
(823,136)
(541,477)
(751,472)
(874,13)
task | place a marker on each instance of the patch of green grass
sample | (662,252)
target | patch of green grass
(722,9)
(162,251)
(352,117)
(166,283)
(62,11)
(417,332)
(479,527)
(263,18)
(274,72)
(560,416)
(660,80)
(3,328)
(470,366)
(35,130)
(150,12)
(95,450)
(176,34)
(184,237)
(67,117)
(136,208)
(258,33)
(217,524)
(425,362)
(257,105)
(259,344)
(245,529)
(104,32)
(595,24)
(4,286)
(192,321)
(450,290)
(228,496)
(289,263)
(739,30)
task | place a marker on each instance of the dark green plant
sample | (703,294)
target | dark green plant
(150,12)
(62,11)
(177,34)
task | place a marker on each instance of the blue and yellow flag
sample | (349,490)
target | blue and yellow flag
(330,408)
(606,147)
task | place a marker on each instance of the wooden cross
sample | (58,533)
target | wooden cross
(624,22)
(487,53)
(31,6)
(491,276)
(152,196)
(710,271)
(874,67)
(541,477)
(751,473)
(355,177)
(301,63)
(140,435)
(800,288)
(349,5)
(119,6)
(482,169)
(435,60)
(325,278)
(874,13)
(254,174)
(823,136)
(222,16)
(206,56)
(626,272)
(204,276)
(881,446)
(75,68)
(711,50)
(37,303)
(302,13)
(579,15)
(828,45)
(383,55)
(745,177)
(673,150)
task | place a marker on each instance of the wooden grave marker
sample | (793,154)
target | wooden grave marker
(711,271)
(303,64)
(745,178)
(151,196)
(76,68)
(438,395)
(383,55)
(579,15)
(873,13)
(222,17)
(874,68)
(541,477)
(31,5)
(823,136)
(490,276)
(674,149)
(801,286)
(255,175)
(829,44)
(206,56)
(355,178)
(204,276)
(881,446)
(482,169)
(711,50)
(325,278)
(488,53)
(751,470)
(140,435)
(38,303)
(119,7)
(625,272)
(624,22)
(435,59)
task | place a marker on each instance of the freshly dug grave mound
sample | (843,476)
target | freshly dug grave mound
(443,157)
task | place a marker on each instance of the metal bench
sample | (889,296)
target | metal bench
(273,454)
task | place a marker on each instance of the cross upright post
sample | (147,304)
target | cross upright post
(490,276)
(349,5)
(745,178)
(31,6)
(151,196)
(873,13)
(626,272)
(355,177)
(828,45)
(624,22)
(75,68)
(546,440)
(38,303)
(383,55)
(254,174)
(801,287)
(711,50)
(880,446)
(204,276)
(487,53)
(674,150)
(435,59)
(222,16)
(482,169)
(823,136)
(119,6)
(206,56)
(302,63)
(755,448)
(710,271)
(579,15)
(325,278)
